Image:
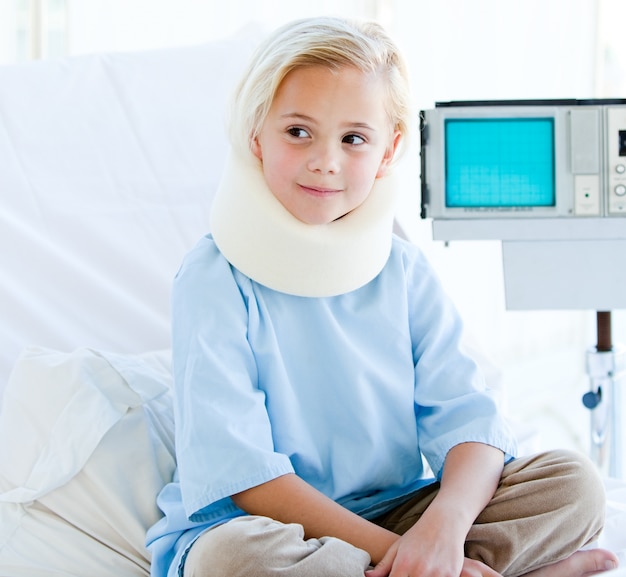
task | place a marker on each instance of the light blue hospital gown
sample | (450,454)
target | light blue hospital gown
(348,392)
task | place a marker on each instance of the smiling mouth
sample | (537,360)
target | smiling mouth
(319,190)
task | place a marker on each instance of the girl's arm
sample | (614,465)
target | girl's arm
(470,478)
(289,499)
(434,545)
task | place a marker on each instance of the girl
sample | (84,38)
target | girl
(317,360)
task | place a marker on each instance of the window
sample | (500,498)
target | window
(39,28)
(32,29)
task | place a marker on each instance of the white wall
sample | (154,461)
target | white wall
(611,57)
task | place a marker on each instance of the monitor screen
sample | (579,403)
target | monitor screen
(499,162)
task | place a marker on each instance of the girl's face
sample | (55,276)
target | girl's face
(325,140)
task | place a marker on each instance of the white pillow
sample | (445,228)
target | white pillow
(86,444)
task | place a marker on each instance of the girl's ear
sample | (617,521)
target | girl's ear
(255,147)
(389,154)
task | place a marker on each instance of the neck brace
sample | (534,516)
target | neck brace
(262,239)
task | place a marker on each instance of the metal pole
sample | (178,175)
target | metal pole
(606,367)
(605,339)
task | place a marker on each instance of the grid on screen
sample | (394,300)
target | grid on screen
(499,162)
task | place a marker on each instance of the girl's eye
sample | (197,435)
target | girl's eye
(297,132)
(353,139)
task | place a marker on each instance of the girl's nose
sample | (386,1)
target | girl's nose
(324,160)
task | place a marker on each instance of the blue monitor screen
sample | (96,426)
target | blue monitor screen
(499,162)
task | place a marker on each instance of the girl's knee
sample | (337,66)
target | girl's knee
(559,480)
(263,547)
(229,549)
(579,479)
(570,483)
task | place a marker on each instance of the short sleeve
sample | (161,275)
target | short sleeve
(223,433)
(452,402)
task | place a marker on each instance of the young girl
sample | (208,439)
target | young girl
(317,360)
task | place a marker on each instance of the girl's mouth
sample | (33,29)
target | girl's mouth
(319,190)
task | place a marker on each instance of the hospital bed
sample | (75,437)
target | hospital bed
(107,166)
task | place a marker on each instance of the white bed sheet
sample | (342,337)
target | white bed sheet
(614,535)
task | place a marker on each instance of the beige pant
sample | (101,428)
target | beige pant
(545,508)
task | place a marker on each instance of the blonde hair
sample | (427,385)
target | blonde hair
(325,41)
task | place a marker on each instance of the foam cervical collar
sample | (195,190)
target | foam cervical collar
(263,240)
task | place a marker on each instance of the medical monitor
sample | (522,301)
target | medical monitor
(499,162)
(524,159)
(547,178)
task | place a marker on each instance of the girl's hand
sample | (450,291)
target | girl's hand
(434,546)
(469,568)
(422,553)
